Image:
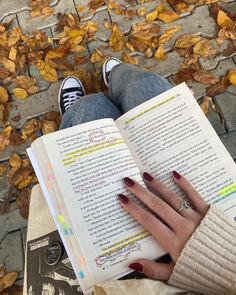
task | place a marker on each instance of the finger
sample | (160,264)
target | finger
(195,198)
(168,196)
(162,233)
(167,213)
(153,270)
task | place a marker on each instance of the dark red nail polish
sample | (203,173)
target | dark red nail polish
(147,176)
(129,182)
(136,267)
(123,199)
(176,175)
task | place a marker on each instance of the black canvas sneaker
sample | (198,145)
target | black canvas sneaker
(70,91)
(108,65)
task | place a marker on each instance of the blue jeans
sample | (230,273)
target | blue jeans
(128,87)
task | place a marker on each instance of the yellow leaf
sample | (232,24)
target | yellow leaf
(152,16)
(3,95)
(13,53)
(7,280)
(20,93)
(187,41)
(160,53)
(53,54)
(206,104)
(6,131)
(77,49)
(168,16)
(159,8)
(46,11)
(76,33)
(48,73)
(96,56)
(14,36)
(129,59)
(204,48)
(15,160)
(116,39)
(25,182)
(3,169)
(223,20)
(168,35)
(232,77)
(25,81)
(142,11)
(9,65)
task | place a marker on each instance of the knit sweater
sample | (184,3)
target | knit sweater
(207,263)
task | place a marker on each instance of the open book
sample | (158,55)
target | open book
(80,170)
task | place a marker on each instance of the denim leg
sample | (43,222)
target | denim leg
(88,108)
(130,86)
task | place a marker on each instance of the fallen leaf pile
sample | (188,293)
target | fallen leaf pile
(67,54)
(6,282)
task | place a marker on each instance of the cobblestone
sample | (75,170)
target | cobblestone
(13,234)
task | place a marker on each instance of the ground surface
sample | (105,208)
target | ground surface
(12,225)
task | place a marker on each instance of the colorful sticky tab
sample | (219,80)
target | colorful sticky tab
(48,186)
(68,231)
(51,177)
(82,261)
(50,166)
(81,275)
(61,206)
(61,218)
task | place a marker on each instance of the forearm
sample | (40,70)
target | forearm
(207,263)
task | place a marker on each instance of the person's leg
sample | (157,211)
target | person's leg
(88,108)
(130,86)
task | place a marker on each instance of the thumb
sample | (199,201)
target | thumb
(153,270)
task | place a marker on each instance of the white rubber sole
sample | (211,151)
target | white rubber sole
(104,68)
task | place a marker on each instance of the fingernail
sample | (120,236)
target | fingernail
(136,267)
(176,174)
(123,199)
(147,176)
(129,182)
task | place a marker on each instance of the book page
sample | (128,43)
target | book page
(87,164)
(170,132)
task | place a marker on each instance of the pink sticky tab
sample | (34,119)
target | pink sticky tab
(61,206)
(51,177)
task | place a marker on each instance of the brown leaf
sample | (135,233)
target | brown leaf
(8,280)
(3,169)
(187,41)
(4,142)
(169,33)
(97,56)
(218,88)
(49,126)
(3,95)
(129,59)
(206,104)
(25,81)
(184,75)
(9,65)
(2,270)
(23,201)
(15,138)
(95,4)
(204,48)
(14,36)
(15,160)
(30,127)
(205,77)
(21,175)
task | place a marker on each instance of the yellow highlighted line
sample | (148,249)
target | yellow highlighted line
(227,190)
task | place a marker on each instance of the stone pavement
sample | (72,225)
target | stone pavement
(12,225)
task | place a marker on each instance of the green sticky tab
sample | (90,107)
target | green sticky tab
(66,226)
(227,190)
(62,218)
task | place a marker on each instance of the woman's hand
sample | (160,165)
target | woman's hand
(179,220)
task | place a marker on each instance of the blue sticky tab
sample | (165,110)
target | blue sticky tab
(81,275)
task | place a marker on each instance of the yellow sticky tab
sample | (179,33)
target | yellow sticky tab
(62,218)
(227,190)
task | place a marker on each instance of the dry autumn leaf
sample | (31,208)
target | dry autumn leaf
(20,93)
(169,33)
(97,56)
(9,65)
(48,73)
(206,104)
(25,81)
(160,53)
(232,77)
(29,128)
(116,39)
(224,21)
(204,48)
(15,160)
(3,95)
(187,41)
(3,169)
(205,77)
(129,59)
(15,36)
(13,53)
(49,126)
(142,11)
(7,280)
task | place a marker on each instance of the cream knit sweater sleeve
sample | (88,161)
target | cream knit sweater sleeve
(207,263)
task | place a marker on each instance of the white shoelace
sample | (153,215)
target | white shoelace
(70,98)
